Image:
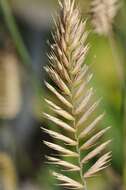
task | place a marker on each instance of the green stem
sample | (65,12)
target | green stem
(78,143)
(11,24)
(80,164)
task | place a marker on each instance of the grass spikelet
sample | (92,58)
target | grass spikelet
(75,106)
(103,13)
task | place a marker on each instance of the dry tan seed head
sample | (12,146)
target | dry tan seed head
(74,107)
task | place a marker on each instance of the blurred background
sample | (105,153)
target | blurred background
(25,28)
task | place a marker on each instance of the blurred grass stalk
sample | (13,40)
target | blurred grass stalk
(118,60)
(7,172)
(122,79)
(19,44)
(124,135)
(103,14)
(11,24)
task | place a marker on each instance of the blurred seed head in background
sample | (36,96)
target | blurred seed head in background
(103,13)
